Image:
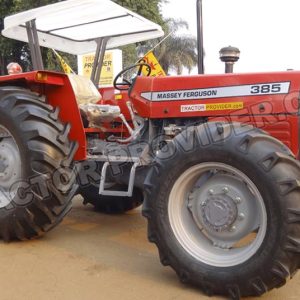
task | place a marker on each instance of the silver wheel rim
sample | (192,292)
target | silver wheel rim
(10,167)
(217,214)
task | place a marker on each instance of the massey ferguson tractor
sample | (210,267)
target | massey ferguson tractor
(214,159)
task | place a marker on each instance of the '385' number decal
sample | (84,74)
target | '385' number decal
(266,88)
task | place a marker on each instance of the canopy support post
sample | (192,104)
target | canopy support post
(34,45)
(98,62)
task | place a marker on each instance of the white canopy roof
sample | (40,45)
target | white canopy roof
(72,26)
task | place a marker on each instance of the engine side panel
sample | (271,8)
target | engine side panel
(266,100)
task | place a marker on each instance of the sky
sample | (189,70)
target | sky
(267,32)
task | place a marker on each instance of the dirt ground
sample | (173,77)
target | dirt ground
(95,256)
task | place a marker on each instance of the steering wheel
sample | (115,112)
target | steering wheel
(126,84)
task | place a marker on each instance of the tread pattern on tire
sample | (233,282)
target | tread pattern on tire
(273,157)
(111,204)
(38,130)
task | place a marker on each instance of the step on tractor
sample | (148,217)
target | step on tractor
(214,159)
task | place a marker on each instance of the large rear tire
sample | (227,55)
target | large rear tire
(222,203)
(37,182)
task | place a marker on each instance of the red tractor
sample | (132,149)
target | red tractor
(213,158)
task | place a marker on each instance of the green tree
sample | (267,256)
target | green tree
(147,9)
(178,51)
(11,50)
(174,54)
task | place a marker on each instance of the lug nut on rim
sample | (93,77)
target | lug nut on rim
(232,229)
(225,189)
(238,200)
(241,216)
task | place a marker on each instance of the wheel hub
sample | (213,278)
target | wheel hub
(222,209)
(219,212)
(10,167)
(9,158)
(3,166)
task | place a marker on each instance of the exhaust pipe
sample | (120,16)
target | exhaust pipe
(200,38)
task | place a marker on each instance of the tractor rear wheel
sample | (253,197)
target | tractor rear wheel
(37,182)
(222,203)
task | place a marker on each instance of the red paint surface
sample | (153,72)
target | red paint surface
(57,88)
(279,116)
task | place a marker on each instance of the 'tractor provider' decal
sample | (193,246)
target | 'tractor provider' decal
(211,107)
(220,92)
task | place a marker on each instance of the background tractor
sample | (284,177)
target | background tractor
(213,158)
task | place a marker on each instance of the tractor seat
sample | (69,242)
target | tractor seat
(84,90)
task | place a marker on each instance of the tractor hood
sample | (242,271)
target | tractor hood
(74,26)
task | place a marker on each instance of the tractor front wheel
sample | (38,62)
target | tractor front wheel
(222,203)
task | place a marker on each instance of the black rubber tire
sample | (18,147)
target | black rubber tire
(46,157)
(276,173)
(111,204)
